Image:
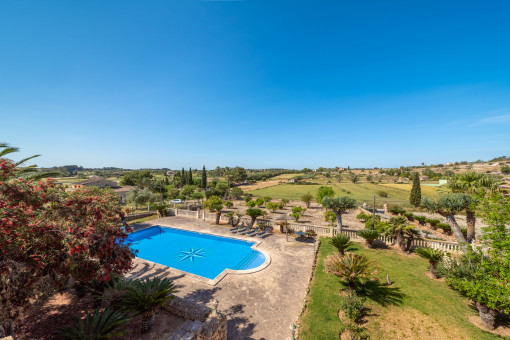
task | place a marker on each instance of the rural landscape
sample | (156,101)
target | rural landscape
(254,170)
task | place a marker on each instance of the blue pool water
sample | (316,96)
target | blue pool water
(200,254)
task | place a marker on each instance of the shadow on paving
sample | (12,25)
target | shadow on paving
(203,296)
(239,326)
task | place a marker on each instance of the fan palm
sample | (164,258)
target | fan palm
(370,235)
(472,183)
(96,326)
(353,269)
(398,227)
(433,256)
(342,243)
(143,297)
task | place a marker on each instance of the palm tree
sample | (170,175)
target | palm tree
(96,326)
(472,183)
(339,205)
(397,227)
(433,255)
(342,243)
(370,235)
(352,268)
(448,206)
(144,297)
(30,172)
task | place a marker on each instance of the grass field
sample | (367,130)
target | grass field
(413,307)
(397,193)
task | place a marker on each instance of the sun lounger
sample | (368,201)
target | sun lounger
(243,230)
(253,232)
(263,233)
(236,229)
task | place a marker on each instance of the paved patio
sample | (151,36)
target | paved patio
(259,305)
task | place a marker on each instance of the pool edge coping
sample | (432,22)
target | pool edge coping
(225,271)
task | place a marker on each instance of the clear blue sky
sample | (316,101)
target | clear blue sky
(255,83)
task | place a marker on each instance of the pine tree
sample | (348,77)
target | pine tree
(415,197)
(190,177)
(204,178)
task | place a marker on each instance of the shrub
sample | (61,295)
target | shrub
(229,204)
(464,231)
(382,193)
(352,306)
(267,199)
(259,202)
(505,169)
(237,192)
(433,223)
(368,221)
(285,201)
(396,210)
(250,204)
(98,325)
(445,227)
(310,233)
(409,216)
(362,217)
(370,235)
(420,218)
(273,206)
(330,217)
(248,197)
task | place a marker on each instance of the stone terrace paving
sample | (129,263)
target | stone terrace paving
(259,305)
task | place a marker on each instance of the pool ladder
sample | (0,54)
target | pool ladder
(248,259)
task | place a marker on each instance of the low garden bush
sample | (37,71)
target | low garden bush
(409,216)
(396,210)
(433,223)
(362,217)
(445,227)
(382,193)
(421,219)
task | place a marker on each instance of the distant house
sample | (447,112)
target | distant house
(292,180)
(340,168)
(99,182)
(102,183)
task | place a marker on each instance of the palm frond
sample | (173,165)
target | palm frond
(26,159)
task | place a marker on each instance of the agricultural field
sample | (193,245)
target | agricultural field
(398,194)
(413,307)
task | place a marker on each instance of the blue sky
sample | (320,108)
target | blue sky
(255,83)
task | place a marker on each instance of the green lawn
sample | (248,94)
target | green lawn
(414,306)
(144,219)
(397,193)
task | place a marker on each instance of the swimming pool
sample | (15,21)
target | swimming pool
(200,254)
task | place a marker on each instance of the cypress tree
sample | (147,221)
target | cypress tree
(204,178)
(166,180)
(415,197)
(183,177)
(190,177)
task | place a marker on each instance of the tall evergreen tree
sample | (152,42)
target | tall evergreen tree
(204,178)
(190,177)
(415,197)
(166,180)
(183,177)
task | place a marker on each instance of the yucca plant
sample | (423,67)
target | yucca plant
(342,243)
(370,235)
(143,297)
(433,256)
(353,269)
(95,326)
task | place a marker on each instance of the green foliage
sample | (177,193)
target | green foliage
(307,199)
(433,222)
(136,177)
(324,191)
(352,306)
(409,216)
(342,243)
(229,204)
(204,178)
(248,197)
(95,326)
(267,199)
(430,254)
(362,216)
(415,195)
(420,218)
(448,204)
(273,206)
(351,268)
(259,202)
(213,203)
(254,213)
(369,234)
(330,217)
(445,227)
(297,212)
(250,204)
(236,192)
(239,174)
(377,222)
(339,204)
(396,210)
(382,193)
(143,297)
(505,169)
